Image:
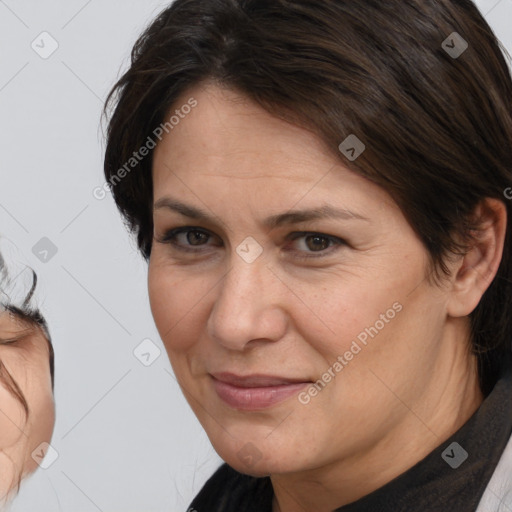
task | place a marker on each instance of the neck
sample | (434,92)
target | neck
(451,398)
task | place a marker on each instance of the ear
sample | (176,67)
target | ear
(475,271)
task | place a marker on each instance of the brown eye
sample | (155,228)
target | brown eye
(317,243)
(197,237)
(189,239)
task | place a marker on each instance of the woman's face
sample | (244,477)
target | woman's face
(298,264)
(27,361)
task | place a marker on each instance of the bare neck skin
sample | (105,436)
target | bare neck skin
(451,398)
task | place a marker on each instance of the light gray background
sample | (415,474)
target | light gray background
(126,439)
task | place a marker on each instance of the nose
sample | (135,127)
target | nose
(248,306)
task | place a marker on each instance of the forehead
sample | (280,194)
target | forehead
(229,133)
(229,153)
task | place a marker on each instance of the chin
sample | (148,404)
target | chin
(258,459)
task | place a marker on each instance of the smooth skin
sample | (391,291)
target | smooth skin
(303,301)
(24,352)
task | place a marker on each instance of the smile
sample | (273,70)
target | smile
(255,392)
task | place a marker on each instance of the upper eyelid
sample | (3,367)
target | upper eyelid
(10,341)
(293,235)
(185,229)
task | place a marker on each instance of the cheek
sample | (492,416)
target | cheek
(30,370)
(21,435)
(12,418)
(179,306)
(41,403)
(344,311)
(42,422)
(38,393)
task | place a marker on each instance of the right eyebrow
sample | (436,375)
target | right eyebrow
(274,221)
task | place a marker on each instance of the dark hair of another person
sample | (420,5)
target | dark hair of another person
(437,129)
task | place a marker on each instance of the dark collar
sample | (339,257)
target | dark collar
(442,481)
(438,483)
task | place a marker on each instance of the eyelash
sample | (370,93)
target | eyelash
(8,341)
(170,238)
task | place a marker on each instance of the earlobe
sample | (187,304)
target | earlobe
(479,266)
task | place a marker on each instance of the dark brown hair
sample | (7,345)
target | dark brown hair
(437,127)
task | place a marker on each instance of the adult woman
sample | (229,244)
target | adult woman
(360,368)
(26,375)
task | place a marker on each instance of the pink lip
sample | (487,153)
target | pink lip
(254,392)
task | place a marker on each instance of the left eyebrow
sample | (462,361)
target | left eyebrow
(291,217)
(323,212)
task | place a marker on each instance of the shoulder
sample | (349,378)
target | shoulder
(228,490)
(498,493)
